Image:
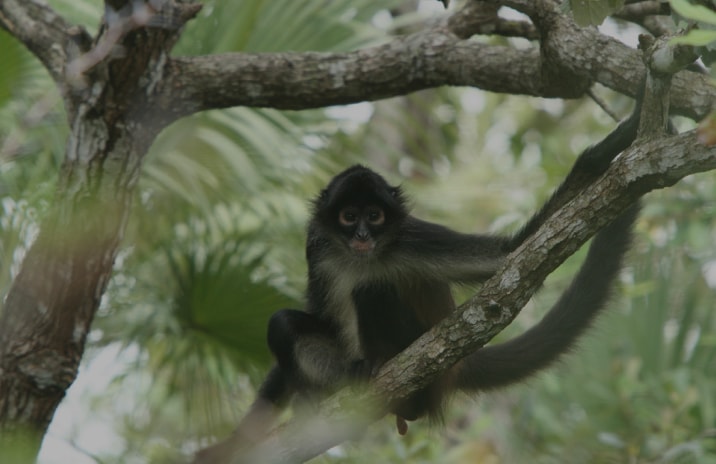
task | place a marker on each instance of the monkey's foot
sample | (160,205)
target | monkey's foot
(401,424)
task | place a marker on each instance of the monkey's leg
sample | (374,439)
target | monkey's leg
(307,350)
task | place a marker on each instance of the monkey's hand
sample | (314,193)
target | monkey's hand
(401,425)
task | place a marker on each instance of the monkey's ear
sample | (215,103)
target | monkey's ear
(322,199)
(319,202)
(398,196)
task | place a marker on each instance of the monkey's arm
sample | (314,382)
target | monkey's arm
(439,253)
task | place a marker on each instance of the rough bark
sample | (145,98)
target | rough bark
(570,60)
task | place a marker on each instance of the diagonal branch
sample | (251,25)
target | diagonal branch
(40,29)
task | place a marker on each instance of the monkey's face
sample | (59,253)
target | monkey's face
(361,226)
(360,210)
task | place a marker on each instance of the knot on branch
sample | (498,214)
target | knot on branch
(493,311)
(49,371)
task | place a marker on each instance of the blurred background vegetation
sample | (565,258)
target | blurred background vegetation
(215,245)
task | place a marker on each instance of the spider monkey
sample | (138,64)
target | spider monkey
(379,277)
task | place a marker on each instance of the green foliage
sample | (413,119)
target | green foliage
(694,12)
(87,13)
(12,61)
(700,21)
(323,25)
(696,37)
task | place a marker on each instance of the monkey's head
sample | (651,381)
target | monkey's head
(361,210)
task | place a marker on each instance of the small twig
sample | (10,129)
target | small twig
(602,104)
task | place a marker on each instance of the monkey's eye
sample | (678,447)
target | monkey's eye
(376,216)
(348,217)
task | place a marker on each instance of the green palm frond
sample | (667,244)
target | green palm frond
(296,25)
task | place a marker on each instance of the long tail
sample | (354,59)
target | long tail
(540,346)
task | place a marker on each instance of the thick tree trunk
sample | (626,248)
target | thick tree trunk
(113,118)
(51,303)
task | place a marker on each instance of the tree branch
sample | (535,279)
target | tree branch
(311,80)
(434,57)
(40,29)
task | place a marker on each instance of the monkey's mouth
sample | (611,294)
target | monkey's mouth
(362,246)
